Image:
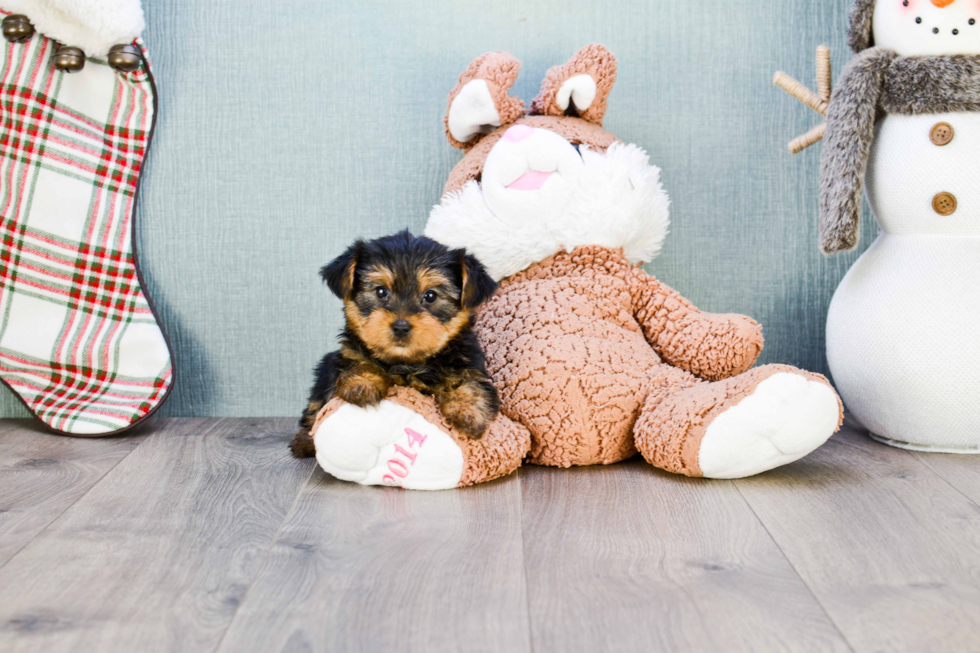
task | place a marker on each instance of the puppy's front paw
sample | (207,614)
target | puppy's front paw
(467,419)
(469,408)
(362,390)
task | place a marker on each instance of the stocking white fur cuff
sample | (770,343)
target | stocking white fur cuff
(92,25)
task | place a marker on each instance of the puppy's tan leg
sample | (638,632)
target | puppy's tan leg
(363,386)
(309,415)
(470,406)
(302,444)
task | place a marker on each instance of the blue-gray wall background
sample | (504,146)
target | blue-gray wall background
(288,129)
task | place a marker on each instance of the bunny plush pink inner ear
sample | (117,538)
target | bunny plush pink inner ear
(479,103)
(580,87)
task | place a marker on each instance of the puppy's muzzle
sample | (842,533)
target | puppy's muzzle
(401,328)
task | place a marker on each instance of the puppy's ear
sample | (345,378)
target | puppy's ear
(477,285)
(340,274)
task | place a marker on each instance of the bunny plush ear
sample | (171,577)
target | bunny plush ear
(580,87)
(479,103)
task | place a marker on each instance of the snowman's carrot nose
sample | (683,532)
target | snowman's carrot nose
(943,3)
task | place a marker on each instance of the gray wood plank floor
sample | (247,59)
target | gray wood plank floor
(204,535)
(41,476)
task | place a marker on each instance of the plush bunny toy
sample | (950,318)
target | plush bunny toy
(902,329)
(593,358)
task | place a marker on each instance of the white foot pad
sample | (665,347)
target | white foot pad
(388,445)
(784,419)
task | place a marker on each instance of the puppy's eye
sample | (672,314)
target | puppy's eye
(381,292)
(430,296)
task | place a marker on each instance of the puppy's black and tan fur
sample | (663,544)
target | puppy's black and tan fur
(409,305)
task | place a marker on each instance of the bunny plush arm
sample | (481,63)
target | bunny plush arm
(710,346)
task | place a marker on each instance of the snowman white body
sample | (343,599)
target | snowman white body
(903,331)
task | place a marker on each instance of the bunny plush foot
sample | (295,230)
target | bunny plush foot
(387,445)
(742,426)
(405,442)
(786,417)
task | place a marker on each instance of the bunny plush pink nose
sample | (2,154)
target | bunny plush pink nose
(518,133)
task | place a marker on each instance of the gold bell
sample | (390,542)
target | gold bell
(125,58)
(17,28)
(69,59)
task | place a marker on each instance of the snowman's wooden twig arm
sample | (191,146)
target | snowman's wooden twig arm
(800,92)
(812,137)
(818,101)
(824,73)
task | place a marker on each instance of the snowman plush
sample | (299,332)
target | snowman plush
(902,331)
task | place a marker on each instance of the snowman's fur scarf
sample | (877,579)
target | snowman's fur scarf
(600,213)
(916,85)
(859,36)
(846,145)
(879,81)
(92,25)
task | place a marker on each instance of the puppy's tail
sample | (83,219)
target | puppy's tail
(302,445)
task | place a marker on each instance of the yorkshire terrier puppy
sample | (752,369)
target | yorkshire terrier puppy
(409,305)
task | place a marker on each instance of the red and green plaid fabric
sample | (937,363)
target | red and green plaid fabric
(79,343)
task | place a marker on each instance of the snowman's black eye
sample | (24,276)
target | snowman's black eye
(935,30)
(906,3)
(955,32)
(918,20)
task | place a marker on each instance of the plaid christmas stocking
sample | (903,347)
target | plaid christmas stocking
(79,341)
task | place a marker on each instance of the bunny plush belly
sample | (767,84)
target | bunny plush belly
(568,357)
(902,341)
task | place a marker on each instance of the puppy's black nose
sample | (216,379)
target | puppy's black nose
(401,328)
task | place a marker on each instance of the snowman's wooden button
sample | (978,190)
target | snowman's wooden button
(942,134)
(944,204)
